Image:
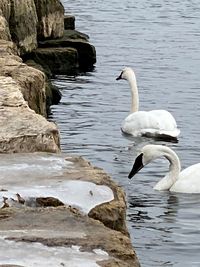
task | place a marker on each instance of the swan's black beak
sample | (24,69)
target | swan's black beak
(137,166)
(120,77)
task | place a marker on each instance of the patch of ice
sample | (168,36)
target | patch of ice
(77,248)
(36,254)
(80,194)
(31,165)
(100,252)
(43,233)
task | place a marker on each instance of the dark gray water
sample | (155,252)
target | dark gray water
(161,41)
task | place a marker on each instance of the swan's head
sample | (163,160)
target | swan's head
(148,153)
(126,74)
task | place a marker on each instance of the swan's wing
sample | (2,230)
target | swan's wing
(139,121)
(151,123)
(189,180)
(192,171)
(165,119)
(167,123)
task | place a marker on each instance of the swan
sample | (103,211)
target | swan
(155,123)
(186,181)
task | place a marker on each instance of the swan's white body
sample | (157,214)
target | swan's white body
(155,123)
(186,181)
(151,124)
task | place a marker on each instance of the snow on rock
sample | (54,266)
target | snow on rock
(44,175)
(21,168)
(36,254)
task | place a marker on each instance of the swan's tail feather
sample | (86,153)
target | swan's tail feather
(156,135)
(163,137)
(168,136)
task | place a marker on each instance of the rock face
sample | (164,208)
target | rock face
(65,55)
(69,22)
(4,29)
(24,89)
(53,95)
(50,18)
(22,130)
(56,60)
(23,28)
(31,81)
(45,20)
(5,6)
(86,51)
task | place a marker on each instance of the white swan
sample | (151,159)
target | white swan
(155,123)
(187,181)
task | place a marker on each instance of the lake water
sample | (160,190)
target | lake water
(161,41)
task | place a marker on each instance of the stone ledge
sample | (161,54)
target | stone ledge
(68,225)
(79,41)
(63,230)
(56,60)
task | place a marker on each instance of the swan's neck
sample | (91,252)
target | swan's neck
(174,171)
(134,94)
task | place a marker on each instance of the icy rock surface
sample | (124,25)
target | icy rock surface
(36,254)
(37,175)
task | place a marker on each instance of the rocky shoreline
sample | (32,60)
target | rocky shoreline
(38,41)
